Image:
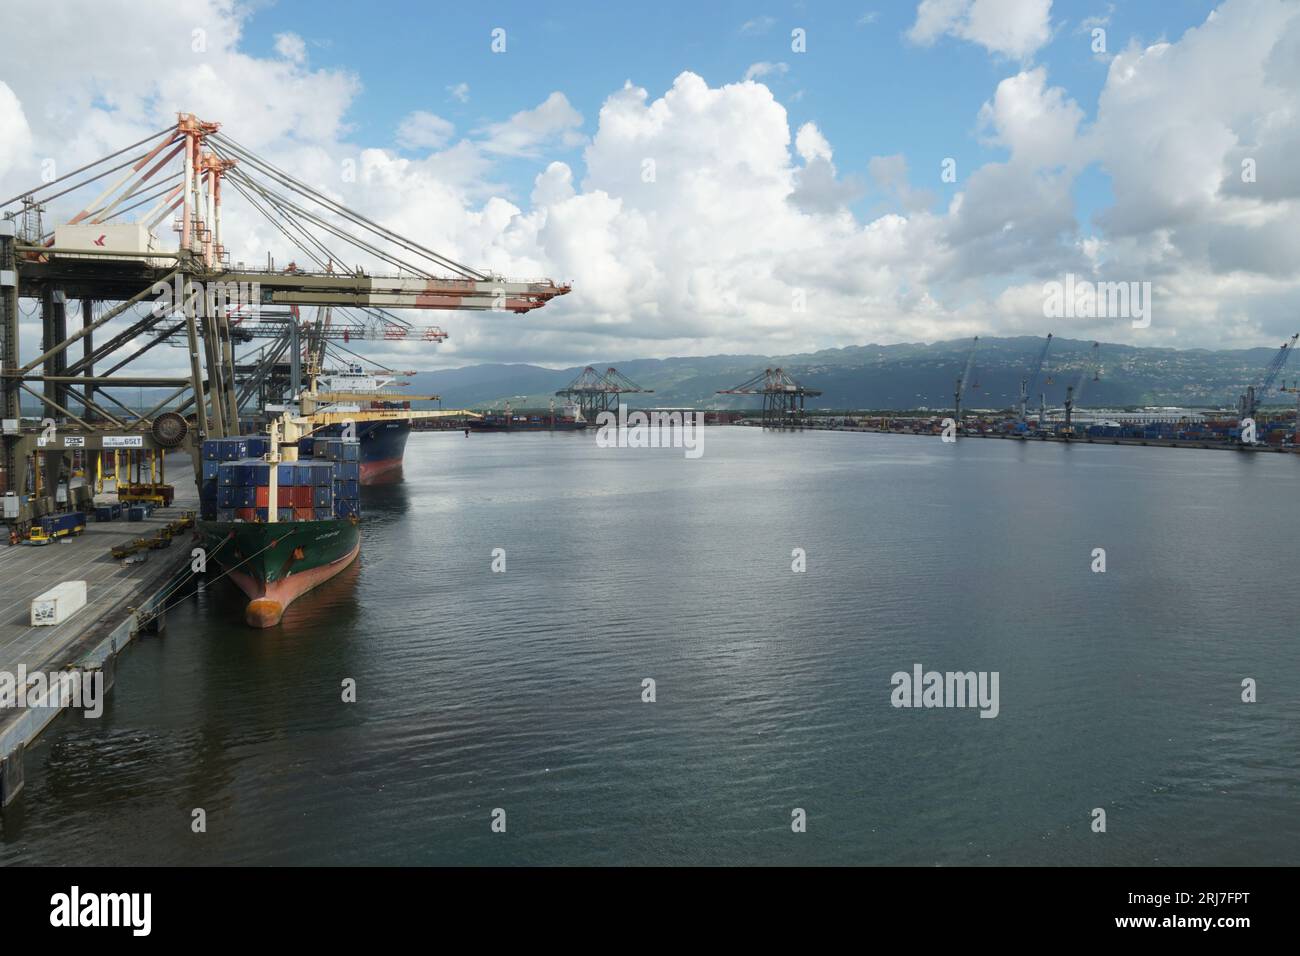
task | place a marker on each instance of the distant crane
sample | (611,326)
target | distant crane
(1027,383)
(617,385)
(960,390)
(595,393)
(1249,403)
(1073,392)
(1294,389)
(783,397)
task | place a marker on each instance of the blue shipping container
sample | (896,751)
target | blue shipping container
(233,449)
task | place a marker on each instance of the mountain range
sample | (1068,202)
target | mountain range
(904,376)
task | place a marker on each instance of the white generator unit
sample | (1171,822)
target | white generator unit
(58,603)
(110,237)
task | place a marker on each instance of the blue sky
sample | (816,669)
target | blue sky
(782,218)
(869,90)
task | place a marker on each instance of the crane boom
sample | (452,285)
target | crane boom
(1275,367)
(960,392)
(1255,393)
(970,363)
(1073,392)
(1027,385)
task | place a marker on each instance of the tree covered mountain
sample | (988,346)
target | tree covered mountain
(909,375)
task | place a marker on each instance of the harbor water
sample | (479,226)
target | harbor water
(523,690)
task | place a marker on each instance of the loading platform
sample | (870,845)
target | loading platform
(121,602)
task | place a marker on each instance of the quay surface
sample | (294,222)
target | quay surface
(120,601)
(1079,440)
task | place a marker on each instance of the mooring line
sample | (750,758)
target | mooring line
(162,610)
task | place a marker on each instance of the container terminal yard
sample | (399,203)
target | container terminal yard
(257,449)
(1248,428)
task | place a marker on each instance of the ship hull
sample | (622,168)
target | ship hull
(383,443)
(274,564)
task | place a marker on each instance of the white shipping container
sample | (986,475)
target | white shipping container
(58,603)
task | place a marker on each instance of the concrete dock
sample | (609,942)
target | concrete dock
(121,600)
(1259,448)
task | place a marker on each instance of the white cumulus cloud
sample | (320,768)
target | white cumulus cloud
(1014,28)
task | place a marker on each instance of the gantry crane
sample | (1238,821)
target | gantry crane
(783,397)
(595,393)
(120,271)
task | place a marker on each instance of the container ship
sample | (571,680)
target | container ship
(381,420)
(568,419)
(280,517)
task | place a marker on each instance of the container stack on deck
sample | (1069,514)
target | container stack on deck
(346,457)
(324,483)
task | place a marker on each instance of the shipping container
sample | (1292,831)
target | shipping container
(63,525)
(58,603)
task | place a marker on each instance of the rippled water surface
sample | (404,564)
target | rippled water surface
(522,690)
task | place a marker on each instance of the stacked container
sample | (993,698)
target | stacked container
(345,456)
(236,485)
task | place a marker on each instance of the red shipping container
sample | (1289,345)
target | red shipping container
(287,496)
(303,514)
(246,514)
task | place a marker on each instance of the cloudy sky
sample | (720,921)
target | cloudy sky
(734,177)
